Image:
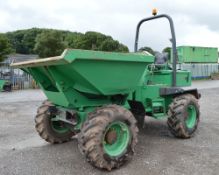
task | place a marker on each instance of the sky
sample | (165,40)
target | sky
(196,21)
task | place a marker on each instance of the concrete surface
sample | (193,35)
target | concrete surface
(23,152)
(205,84)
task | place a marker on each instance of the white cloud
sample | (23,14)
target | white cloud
(201,36)
(195,21)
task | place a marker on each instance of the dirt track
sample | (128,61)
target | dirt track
(23,152)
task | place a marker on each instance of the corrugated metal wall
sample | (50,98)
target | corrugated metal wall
(200,70)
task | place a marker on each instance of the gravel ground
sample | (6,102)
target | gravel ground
(23,152)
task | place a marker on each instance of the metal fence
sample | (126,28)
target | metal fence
(18,78)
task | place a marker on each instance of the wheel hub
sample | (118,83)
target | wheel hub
(191,118)
(111,137)
(116,138)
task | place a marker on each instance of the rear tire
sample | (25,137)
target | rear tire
(108,137)
(183,116)
(49,131)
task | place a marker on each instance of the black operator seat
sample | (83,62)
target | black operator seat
(160,58)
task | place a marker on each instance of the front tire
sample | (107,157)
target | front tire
(108,137)
(51,131)
(183,116)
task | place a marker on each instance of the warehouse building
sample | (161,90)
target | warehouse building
(201,61)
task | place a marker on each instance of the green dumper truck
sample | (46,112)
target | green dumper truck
(5,85)
(103,98)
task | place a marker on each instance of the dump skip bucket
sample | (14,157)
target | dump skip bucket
(92,72)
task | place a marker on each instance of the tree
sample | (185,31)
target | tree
(112,45)
(16,39)
(168,51)
(97,41)
(122,48)
(148,49)
(92,40)
(5,47)
(109,45)
(25,41)
(29,40)
(73,39)
(49,43)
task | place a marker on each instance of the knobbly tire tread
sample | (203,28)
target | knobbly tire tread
(90,137)
(177,116)
(43,126)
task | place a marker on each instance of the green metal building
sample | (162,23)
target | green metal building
(194,54)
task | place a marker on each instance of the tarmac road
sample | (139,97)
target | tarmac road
(23,152)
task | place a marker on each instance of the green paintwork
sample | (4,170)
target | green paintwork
(183,78)
(194,54)
(123,137)
(58,126)
(68,80)
(82,80)
(2,82)
(191,119)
